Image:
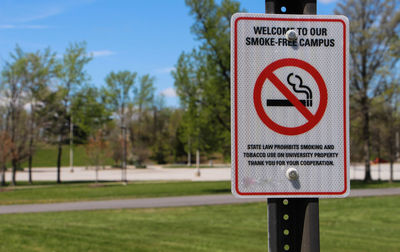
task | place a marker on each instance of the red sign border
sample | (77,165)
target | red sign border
(267,73)
(236,108)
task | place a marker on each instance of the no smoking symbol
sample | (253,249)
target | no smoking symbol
(312,119)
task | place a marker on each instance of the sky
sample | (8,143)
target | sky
(146,37)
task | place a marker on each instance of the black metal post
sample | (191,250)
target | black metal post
(291,6)
(293,223)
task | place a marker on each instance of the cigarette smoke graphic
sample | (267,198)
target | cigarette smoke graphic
(297,87)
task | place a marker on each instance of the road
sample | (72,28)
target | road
(202,200)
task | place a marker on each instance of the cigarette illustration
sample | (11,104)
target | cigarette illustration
(297,87)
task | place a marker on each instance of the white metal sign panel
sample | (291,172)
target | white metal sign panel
(290,105)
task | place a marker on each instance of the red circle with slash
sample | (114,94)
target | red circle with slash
(312,119)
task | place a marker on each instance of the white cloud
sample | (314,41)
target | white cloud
(327,1)
(169,92)
(28,11)
(101,53)
(37,13)
(9,26)
(20,15)
(165,70)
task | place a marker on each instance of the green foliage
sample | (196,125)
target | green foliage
(42,96)
(202,78)
(71,74)
(144,94)
(90,112)
(167,146)
(119,95)
(54,116)
(174,143)
(40,70)
(71,71)
(14,86)
(119,90)
(45,193)
(46,156)
(141,124)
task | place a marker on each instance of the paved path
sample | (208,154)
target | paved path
(157,173)
(162,202)
(152,173)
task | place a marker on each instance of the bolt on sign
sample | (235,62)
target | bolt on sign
(290,105)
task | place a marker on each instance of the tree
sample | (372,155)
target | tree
(5,154)
(200,131)
(39,70)
(53,116)
(211,66)
(14,90)
(387,119)
(374,27)
(141,135)
(187,83)
(188,90)
(175,147)
(160,133)
(116,146)
(96,150)
(144,96)
(119,92)
(90,112)
(5,145)
(71,74)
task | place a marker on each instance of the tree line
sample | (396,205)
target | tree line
(202,78)
(48,99)
(45,98)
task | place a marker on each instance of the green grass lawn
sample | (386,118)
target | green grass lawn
(46,156)
(359,184)
(48,192)
(352,224)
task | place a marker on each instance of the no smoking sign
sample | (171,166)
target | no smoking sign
(297,88)
(289,99)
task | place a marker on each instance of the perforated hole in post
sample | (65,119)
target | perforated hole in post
(286,217)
